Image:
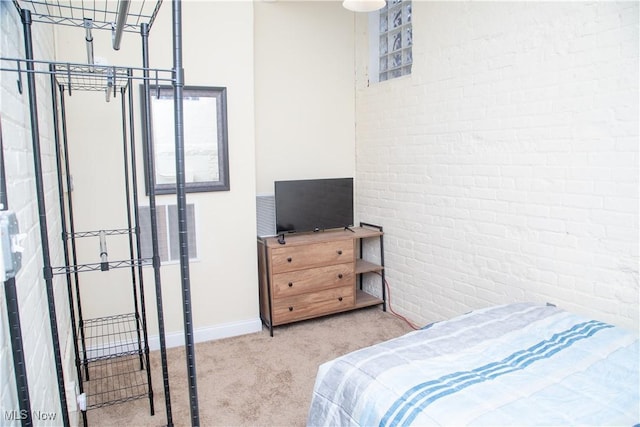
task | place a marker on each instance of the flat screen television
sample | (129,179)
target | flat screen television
(313,204)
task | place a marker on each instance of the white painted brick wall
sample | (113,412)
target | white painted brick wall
(505,168)
(34,313)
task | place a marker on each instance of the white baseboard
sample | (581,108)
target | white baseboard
(225,330)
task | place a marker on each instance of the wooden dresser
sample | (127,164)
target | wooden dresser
(315,274)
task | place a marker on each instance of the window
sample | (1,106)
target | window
(168,240)
(391,41)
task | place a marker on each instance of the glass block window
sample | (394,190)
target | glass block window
(396,40)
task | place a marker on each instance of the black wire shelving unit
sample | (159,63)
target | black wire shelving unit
(103,13)
(111,352)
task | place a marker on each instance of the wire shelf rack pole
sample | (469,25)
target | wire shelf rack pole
(127,191)
(136,234)
(17,349)
(13,317)
(72,233)
(88,38)
(178,85)
(42,212)
(150,179)
(63,220)
(142,351)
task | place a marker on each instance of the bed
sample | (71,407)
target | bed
(516,364)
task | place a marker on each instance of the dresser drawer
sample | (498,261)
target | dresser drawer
(314,255)
(314,304)
(312,280)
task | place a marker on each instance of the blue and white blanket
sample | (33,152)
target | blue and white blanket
(518,364)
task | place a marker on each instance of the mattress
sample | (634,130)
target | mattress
(516,364)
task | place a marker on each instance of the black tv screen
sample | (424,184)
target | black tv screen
(313,204)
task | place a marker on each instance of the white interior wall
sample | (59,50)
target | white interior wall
(505,168)
(305,100)
(21,192)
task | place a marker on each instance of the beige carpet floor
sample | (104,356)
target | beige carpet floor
(254,379)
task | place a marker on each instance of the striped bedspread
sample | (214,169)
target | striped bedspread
(517,364)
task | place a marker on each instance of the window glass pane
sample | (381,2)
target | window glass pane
(407,13)
(397,60)
(397,41)
(397,18)
(384,45)
(408,56)
(384,27)
(383,63)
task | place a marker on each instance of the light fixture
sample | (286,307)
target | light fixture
(363,5)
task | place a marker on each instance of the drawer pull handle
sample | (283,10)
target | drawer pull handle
(289,259)
(339,251)
(290,308)
(291,284)
(339,298)
(340,276)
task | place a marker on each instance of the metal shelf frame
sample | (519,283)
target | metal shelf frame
(66,78)
(97,233)
(103,13)
(98,266)
(85,77)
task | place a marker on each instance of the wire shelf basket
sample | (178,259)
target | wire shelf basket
(86,77)
(112,360)
(102,13)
